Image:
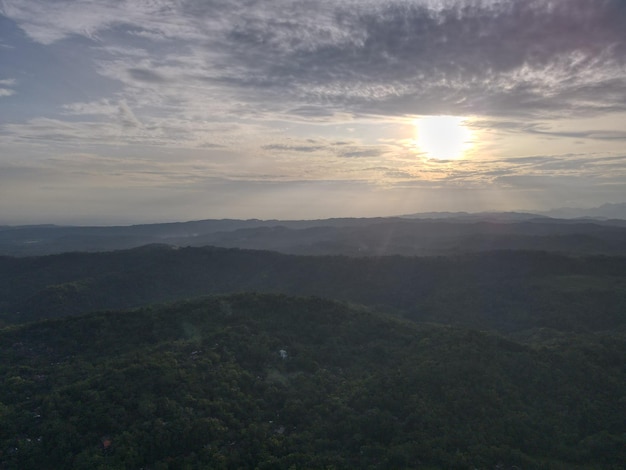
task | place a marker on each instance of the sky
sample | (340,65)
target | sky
(135,111)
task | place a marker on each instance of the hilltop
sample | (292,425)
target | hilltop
(269,381)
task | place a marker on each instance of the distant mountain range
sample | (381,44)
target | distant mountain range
(478,216)
(590,231)
(505,350)
(603,212)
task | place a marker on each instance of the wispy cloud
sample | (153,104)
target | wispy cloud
(293,91)
(7,87)
(294,148)
(368,57)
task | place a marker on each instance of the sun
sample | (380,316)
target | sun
(442,137)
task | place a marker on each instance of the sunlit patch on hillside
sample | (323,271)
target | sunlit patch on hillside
(442,137)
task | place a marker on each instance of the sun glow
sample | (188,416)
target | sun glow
(442,137)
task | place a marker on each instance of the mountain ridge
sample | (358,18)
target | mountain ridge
(409,236)
(505,291)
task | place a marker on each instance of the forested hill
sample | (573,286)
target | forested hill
(271,382)
(350,236)
(504,291)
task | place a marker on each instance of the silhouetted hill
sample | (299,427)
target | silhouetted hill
(265,381)
(478,216)
(355,237)
(506,291)
(605,211)
(426,237)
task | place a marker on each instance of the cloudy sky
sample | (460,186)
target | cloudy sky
(124,111)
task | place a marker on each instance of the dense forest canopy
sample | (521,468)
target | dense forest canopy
(203,357)
(268,381)
(505,291)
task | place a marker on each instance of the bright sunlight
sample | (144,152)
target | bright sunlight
(442,137)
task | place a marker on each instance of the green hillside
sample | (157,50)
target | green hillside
(268,381)
(504,291)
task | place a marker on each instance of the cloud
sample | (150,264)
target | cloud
(49,21)
(146,75)
(102,107)
(587,134)
(6,87)
(116,125)
(400,57)
(546,129)
(384,58)
(289,91)
(293,148)
(126,116)
(339,149)
(362,153)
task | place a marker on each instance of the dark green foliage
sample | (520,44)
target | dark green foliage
(268,381)
(503,291)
